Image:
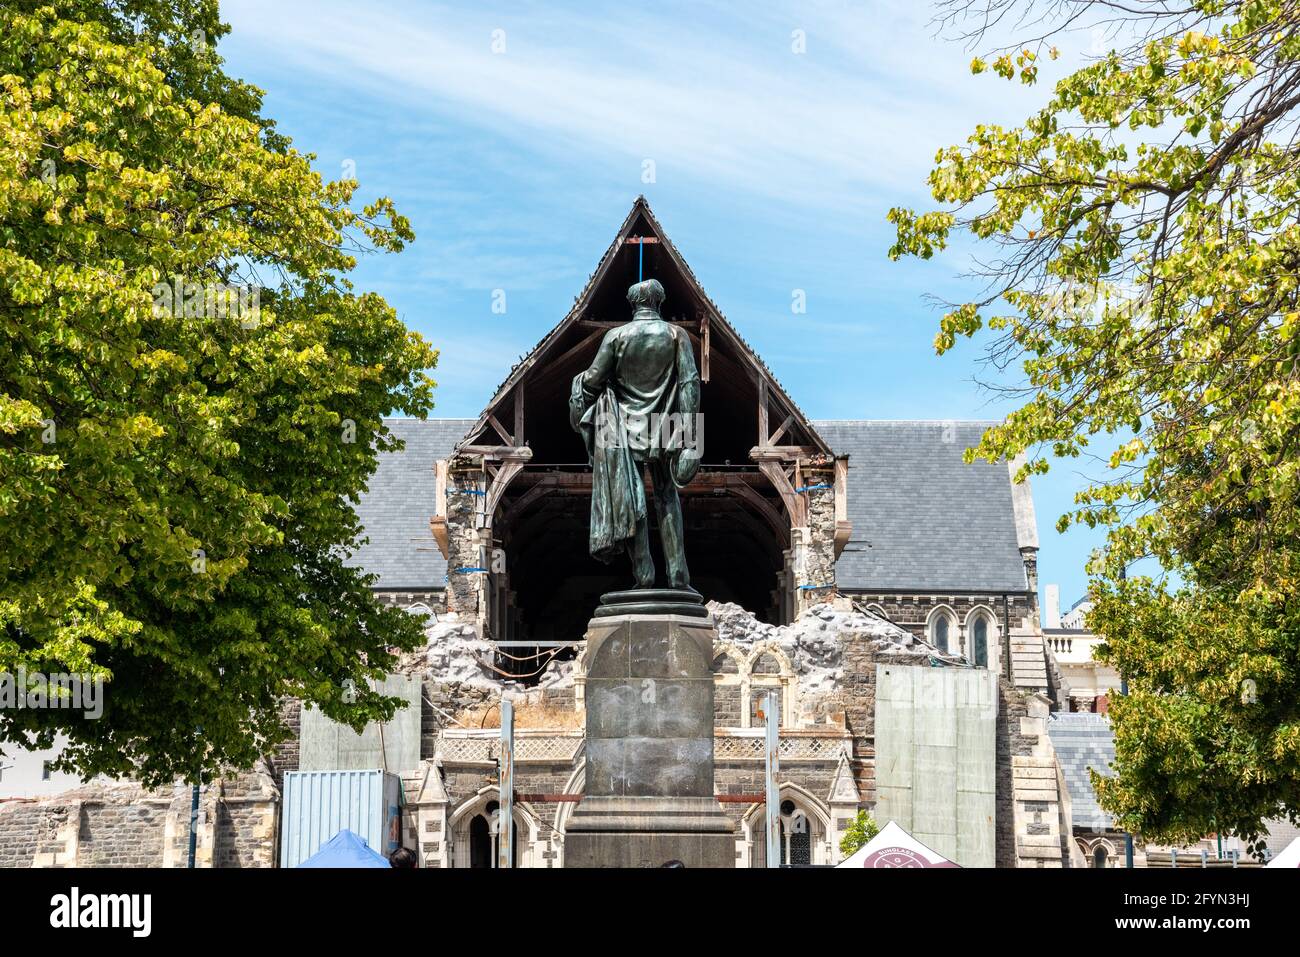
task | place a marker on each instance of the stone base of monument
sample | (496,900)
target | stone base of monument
(649,795)
(649,832)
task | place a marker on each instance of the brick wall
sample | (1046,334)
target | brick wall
(286,755)
(28,829)
(122,835)
(239,838)
(124,825)
(727,706)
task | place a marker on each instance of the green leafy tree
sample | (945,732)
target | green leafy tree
(1144,281)
(859,833)
(191,398)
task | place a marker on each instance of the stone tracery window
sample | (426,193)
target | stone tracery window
(980,638)
(796,835)
(940,630)
(768,671)
(980,642)
(803,836)
(475,833)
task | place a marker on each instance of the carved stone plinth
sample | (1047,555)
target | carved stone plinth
(649,795)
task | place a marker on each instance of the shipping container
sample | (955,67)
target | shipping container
(319,804)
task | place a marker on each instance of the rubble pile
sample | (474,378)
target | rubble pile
(814,642)
(454,653)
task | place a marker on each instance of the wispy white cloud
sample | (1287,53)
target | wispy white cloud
(714,93)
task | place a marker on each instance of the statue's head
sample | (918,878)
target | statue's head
(646,295)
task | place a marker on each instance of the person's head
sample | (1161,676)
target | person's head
(402,857)
(646,295)
(672,863)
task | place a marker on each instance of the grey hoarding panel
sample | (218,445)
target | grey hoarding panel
(326,745)
(936,759)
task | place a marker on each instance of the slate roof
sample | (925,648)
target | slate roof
(396,510)
(1083,741)
(923,520)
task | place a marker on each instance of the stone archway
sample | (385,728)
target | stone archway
(473,843)
(805,829)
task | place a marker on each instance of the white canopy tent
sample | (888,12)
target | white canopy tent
(894,847)
(1290,856)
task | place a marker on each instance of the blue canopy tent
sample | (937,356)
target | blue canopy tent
(346,849)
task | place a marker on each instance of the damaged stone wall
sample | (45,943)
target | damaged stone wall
(465,502)
(823,664)
(813,560)
(832,651)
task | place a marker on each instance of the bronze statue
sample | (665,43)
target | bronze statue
(638,404)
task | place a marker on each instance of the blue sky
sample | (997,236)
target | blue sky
(516,136)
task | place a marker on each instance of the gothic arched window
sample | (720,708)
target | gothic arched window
(980,642)
(942,626)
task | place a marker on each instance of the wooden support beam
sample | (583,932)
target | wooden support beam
(547,484)
(762,414)
(704,346)
(438,521)
(604,325)
(503,452)
(794,504)
(508,471)
(518,438)
(500,430)
(776,436)
(843,527)
(781,452)
(763,507)
(576,349)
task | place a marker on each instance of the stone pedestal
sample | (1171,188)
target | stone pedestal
(649,795)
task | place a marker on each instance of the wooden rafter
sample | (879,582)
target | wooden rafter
(498,451)
(775,436)
(708,325)
(763,507)
(518,438)
(500,430)
(502,479)
(794,504)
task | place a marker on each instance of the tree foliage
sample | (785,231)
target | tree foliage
(859,833)
(1144,280)
(191,397)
